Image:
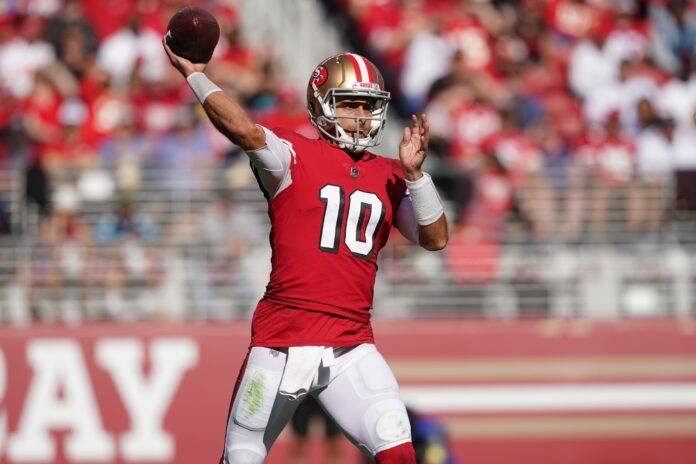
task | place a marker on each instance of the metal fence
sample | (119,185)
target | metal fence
(193,253)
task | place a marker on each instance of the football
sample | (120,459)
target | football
(193,33)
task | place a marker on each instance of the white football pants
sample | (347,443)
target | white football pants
(358,391)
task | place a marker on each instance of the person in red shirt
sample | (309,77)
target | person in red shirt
(332,204)
(473,123)
(473,41)
(522,160)
(572,19)
(611,162)
(289,113)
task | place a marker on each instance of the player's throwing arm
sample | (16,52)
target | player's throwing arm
(226,114)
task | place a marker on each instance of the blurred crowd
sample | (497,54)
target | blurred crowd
(551,121)
(88,99)
(98,125)
(562,114)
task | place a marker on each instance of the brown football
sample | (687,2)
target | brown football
(193,34)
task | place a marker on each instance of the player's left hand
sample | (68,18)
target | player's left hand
(414,147)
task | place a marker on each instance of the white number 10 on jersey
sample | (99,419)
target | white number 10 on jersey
(359,203)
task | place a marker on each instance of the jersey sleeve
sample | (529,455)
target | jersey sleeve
(272,163)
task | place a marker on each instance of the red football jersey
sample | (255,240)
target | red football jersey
(327,228)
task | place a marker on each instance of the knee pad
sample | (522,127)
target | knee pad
(243,456)
(387,424)
(401,454)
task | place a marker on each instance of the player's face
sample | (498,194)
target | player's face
(354,107)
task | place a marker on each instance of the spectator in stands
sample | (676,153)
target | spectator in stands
(134,44)
(70,21)
(655,154)
(629,39)
(125,223)
(61,271)
(40,112)
(5,218)
(557,183)
(288,112)
(674,34)
(426,59)
(572,20)
(474,121)
(40,276)
(678,95)
(612,160)
(522,162)
(685,167)
(73,149)
(387,27)
(40,128)
(591,65)
(473,257)
(36,187)
(685,141)
(128,267)
(185,155)
(455,181)
(469,28)
(75,53)
(228,226)
(237,66)
(127,151)
(621,94)
(23,55)
(230,230)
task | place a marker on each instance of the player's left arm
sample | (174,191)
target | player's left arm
(426,204)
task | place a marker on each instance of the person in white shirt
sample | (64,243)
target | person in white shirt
(23,56)
(135,43)
(591,64)
(654,152)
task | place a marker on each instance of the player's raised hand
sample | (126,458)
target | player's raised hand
(184,66)
(414,147)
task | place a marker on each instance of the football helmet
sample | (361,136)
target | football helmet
(343,76)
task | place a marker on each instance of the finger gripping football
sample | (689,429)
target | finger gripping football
(193,33)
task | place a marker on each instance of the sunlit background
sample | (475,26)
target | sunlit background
(556,327)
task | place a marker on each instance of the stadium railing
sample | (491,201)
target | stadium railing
(174,269)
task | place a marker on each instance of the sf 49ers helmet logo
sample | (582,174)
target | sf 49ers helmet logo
(319,76)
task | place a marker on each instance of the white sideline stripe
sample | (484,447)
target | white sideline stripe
(595,397)
(362,66)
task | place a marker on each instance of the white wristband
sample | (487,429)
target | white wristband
(201,86)
(426,201)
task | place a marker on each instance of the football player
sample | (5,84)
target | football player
(332,204)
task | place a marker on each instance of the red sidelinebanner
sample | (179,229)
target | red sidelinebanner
(524,392)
